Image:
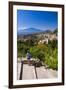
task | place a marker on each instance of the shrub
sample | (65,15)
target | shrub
(38,51)
(52,60)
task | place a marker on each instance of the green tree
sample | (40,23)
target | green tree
(38,51)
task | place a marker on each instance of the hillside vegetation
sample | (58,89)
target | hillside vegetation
(46,53)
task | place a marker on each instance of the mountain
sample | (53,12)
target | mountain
(31,31)
(47,31)
(55,31)
(28,31)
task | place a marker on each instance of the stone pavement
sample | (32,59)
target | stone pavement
(28,72)
(31,72)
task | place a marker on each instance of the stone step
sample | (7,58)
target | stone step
(18,70)
(43,73)
(28,72)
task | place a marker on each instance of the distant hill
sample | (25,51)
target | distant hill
(30,31)
(55,31)
(47,31)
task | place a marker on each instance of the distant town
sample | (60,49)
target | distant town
(42,37)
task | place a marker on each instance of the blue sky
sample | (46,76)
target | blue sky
(37,19)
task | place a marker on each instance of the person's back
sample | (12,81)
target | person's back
(28,57)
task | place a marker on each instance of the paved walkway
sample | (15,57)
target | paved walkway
(45,73)
(18,70)
(27,72)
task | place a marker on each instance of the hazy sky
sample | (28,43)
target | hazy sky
(37,19)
